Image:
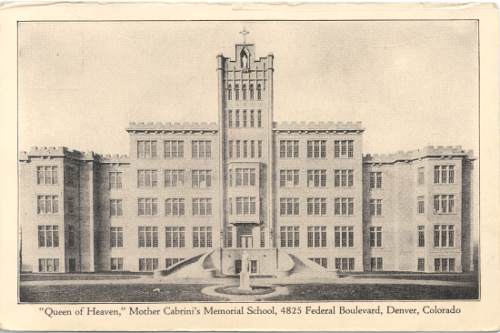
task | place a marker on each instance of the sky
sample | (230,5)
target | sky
(411,83)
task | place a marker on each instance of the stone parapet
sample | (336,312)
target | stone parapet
(429,151)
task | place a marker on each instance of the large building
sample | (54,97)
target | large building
(248,184)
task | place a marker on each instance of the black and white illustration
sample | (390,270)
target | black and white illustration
(250,160)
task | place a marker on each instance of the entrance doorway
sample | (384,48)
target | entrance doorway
(244,237)
(254,266)
(72,264)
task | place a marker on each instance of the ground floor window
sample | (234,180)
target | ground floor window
(444,264)
(172,261)
(344,264)
(48,265)
(421,264)
(376,264)
(320,261)
(116,264)
(148,264)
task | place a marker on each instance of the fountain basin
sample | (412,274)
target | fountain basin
(254,290)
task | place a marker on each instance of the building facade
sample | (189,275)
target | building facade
(246,183)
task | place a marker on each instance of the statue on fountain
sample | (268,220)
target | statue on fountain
(245,273)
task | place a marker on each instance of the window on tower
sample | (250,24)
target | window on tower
(229,92)
(259,92)
(251,92)
(244,91)
(236,92)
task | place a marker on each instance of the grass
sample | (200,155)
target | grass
(184,292)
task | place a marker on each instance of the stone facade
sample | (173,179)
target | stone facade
(248,183)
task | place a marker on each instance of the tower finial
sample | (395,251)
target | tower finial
(244,33)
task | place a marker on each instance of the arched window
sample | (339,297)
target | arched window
(229,92)
(259,93)
(244,91)
(236,92)
(251,92)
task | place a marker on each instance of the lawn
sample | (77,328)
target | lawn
(186,292)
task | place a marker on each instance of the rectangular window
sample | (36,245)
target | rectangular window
(344,148)
(202,237)
(147,206)
(173,149)
(289,236)
(115,207)
(289,178)
(201,149)
(344,264)
(444,264)
(421,264)
(259,148)
(344,236)
(201,178)
(316,149)
(147,178)
(146,149)
(262,236)
(202,206)
(320,261)
(252,117)
(116,264)
(444,174)
(228,237)
(115,180)
(47,204)
(289,148)
(252,148)
(421,235)
(316,178)
(48,236)
(376,264)
(344,206)
(175,237)
(421,176)
(175,207)
(48,265)
(237,119)
(375,207)
(316,236)
(245,148)
(344,178)
(116,237)
(444,235)
(148,236)
(71,236)
(229,118)
(46,175)
(289,206)
(259,118)
(174,178)
(245,206)
(375,236)
(316,206)
(444,204)
(238,149)
(420,205)
(244,177)
(169,262)
(376,179)
(148,264)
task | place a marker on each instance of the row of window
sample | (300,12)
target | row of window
(245,93)
(200,149)
(46,265)
(317,206)
(317,149)
(248,119)
(244,149)
(172,178)
(443,174)
(175,237)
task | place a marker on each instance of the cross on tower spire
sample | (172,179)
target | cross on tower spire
(244,33)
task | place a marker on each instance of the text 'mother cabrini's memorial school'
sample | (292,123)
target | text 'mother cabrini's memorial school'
(195,196)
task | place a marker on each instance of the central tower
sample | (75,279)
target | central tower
(245,102)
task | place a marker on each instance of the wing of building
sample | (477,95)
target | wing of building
(248,184)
